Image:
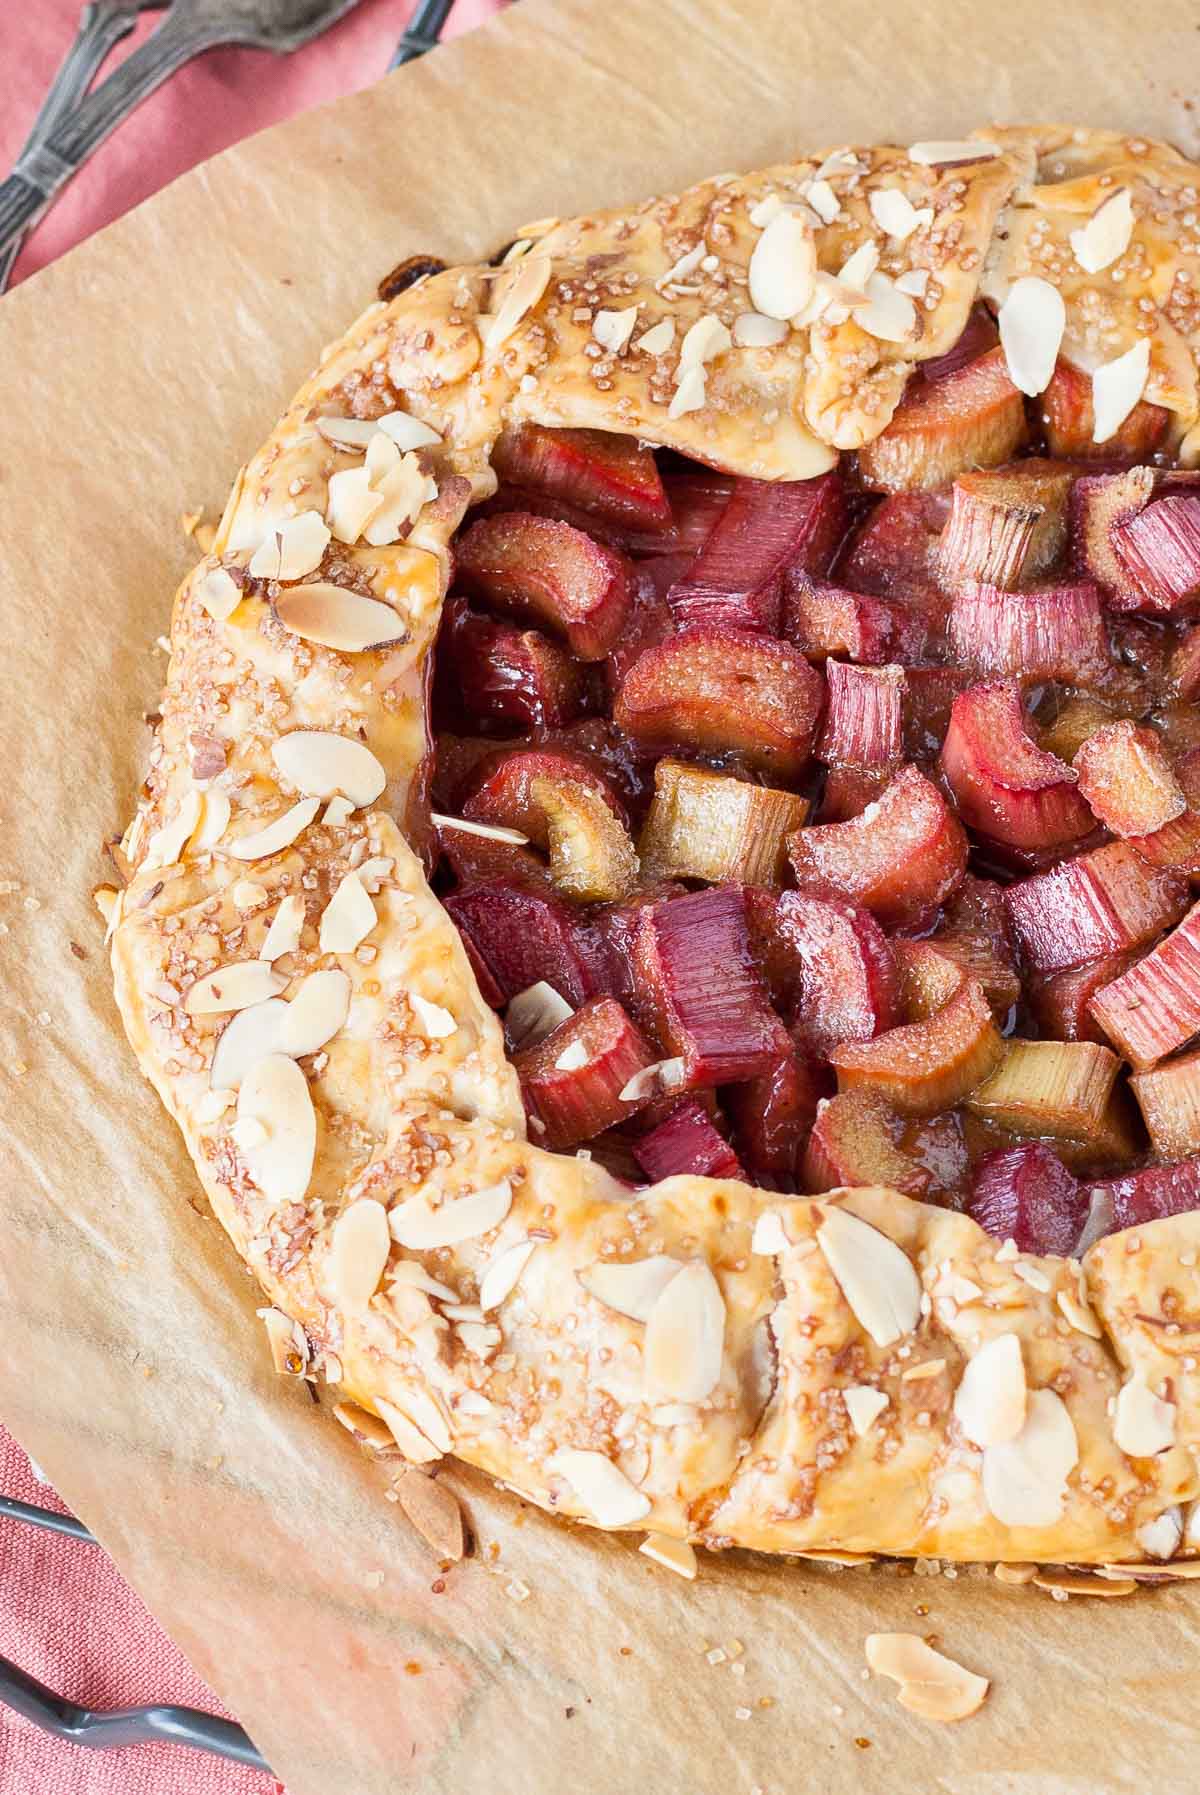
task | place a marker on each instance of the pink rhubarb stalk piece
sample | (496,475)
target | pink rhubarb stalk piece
(864,715)
(1127,779)
(523,935)
(831,965)
(494,671)
(613,477)
(773,1114)
(1026,1194)
(1048,632)
(573,1080)
(1138,1198)
(823,619)
(686,1141)
(765,527)
(1159,549)
(539,570)
(1102,903)
(1154,1008)
(1007,787)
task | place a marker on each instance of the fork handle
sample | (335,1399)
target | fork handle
(43,170)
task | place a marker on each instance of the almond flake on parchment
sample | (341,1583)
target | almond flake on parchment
(424,1412)
(1117,386)
(685,1337)
(367,1428)
(346,621)
(633,1287)
(316,1012)
(347,918)
(602,1487)
(275,1094)
(673,1554)
(1078,1583)
(931,1685)
(876,1277)
(1105,236)
(1032,320)
(358,1252)
(415,1446)
(276,835)
(1015,1573)
(420,1228)
(433,1511)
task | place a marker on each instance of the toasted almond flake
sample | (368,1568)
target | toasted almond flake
(530,282)
(632,1288)
(1143,1424)
(762,212)
(436,1022)
(876,1278)
(687,264)
(1015,1573)
(751,330)
(1160,1538)
(1006,1252)
(1106,234)
(368,1429)
(921,1373)
(407,432)
(782,267)
(251,1035)
(991,1396)
(613,329)
(823,200)
(405,487)
(1117,387)
(931,1685)
(351,503)
(233,987)
(213,1104)
(1032,320)
(675,1414)
(167,843)
(247,1132)
(434,1512)
(942,152)
(480,1339)
(375,869)
(338,811)
(275,1094)
(358,1252)
(706,339)
(406,1435)
(1025,1479)
(685,1337)
(1033,1275)
(535,1013)
(662,1075)
(836,1556)
(276,835)
(673,1554)
(411,1272)
(472,1403)
(316,1013)
(351,434)
(690,394)
(220,593)
(487,831)
(321,764)
(913,281)
(864,1405)
(347,918)
(769,1236)
(214,820)
(659,338)
(1183,1570)
(858,268)
(283,936)
(895,213)
(960,1290)
(838,162)
(1079,1315)
(247,894)
(602,1488)
(420,1228)
(1077,1583)
(423,1411)
(293,547)
(329,615)
(887,314)
(573,1056)
(287,1340)
(504,1273)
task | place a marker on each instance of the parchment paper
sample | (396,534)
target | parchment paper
(137,374)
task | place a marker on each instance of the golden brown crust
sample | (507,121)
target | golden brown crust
(772,1397)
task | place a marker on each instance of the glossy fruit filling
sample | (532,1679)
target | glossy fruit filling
(843,831)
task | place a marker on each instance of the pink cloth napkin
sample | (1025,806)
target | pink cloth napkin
(65,1613)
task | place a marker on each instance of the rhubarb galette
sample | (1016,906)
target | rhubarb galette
(661,901)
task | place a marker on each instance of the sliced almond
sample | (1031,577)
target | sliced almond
(504,1273)
(783,266)
(888,314)
(602,1488)
(1015,1573)
(320,764)
(287,1340)
(673,1554)
(876,1278)
(573,1056)
(347,918)
(769,1237)
(659,338)
(328,614)
(351,504)
(612,330)
(991,1396)
(401,1432)
(338,811)
(1117,386)
(1077,1583)
(691,394)
(528,285)
(1160,1538)
(479,1338)
(752,330)
(167,843)
(931,1685)
(275,1094)
(219,593)
(858,268)
(233,987)
(945,151)
(1032,320)
(276,835)
(895,213)
(763,210)
(358,1252)
(367,1428)
(663,1075)
(424,1413)
(292,548)
(864,1405)
(412,1272)
(913,281)
(251,1035)
(316,1013)
(823,200)
(1143,1424)
(706,339)
(486,831)
(685,1337)
(283,936)
(687,264)
(437,1023)
(1080,1315)
(407,432)
(1025,1479)
(632,1288)
(215,813)
(351,434)
(435,1513)
(1105,236)
(838,162)
(535,1013)
(421,1228)
(406,490)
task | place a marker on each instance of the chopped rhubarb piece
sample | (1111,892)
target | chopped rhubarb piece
(1159,549)
(694,955)
(614,477)
(1143,1197)
(1049,632)
(854,1141)
(649,622)
(1154,1008)
(1057,1088)
(772,1116)
(1169,1099)
(617,927)
(765,527)
(1006,787)
(1060,1001)
(1184,667)
(501,787)
(901,858)
(896,550)
(972,418)
(978,335)
(1127,779)
(523,935)
(1101,903)
(573,1080)
(1069,422)
(1006,527)
(456,763)
(864,715)
(686,1141)
(477,859)
(829,964)
(697,501)
(709,826)
(724,691)
(1028,1196)
(1176,846)
(1077,717)
(823,620)
(849,790)
(490,670)
(978,958)
(926,1066)
(1102,507)
(538,570)
(592,858)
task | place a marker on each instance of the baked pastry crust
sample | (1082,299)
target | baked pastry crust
(735,1414)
